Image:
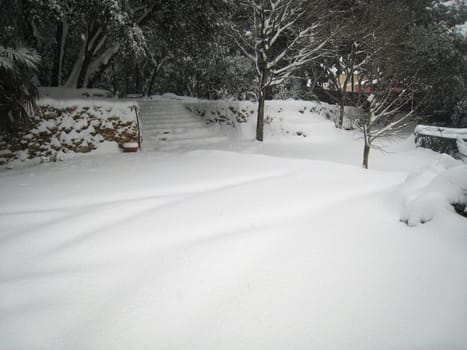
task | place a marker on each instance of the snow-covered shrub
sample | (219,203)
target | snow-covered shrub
(462,148)
(434,190)
(287,117)
(439,139)
(226,112)
(436,143)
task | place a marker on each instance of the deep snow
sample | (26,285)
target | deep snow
(287,244)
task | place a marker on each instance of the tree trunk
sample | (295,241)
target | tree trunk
(127,83)
(260,121)
(99,64)
(20,27)
(263,90)
(61,34)
(138,81)
(151,82)
(58,38)
(89,83)
(341,111)
(343,93)
(366,155)
(366,137)
(84,67)
(72,80)
(79,75)
(92,39)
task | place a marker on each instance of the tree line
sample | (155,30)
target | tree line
(406,53)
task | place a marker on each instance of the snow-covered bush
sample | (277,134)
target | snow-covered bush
(281,117)
(439,139)
(231,113)
(462,148)
(434,190)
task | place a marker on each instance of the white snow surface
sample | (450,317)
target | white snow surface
(233,244)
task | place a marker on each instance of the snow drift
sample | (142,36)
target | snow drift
(433,190)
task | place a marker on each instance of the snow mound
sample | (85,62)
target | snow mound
(462,148)
(434,190)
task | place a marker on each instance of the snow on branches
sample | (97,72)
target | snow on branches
(279,37)
(275,35)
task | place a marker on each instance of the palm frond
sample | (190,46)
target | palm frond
(17,89)
(6,63)
(20,55)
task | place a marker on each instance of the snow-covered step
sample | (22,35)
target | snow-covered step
(172,122)
(162,125)
(195,140)
(153,118)
(167,124)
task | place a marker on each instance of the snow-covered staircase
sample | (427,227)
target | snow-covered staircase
(166,123)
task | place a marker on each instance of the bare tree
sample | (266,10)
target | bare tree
(277,37)
(387,98)
(386,114)
(389,95)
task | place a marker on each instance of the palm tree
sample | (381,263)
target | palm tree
(18,92)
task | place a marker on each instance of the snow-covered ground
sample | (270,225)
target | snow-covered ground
(286,244)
